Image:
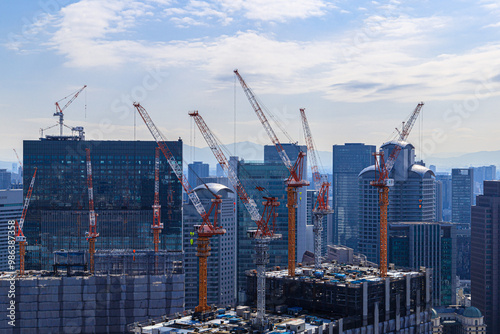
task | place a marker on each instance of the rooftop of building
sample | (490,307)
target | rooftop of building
(231,320)
(468,312)
(341,273)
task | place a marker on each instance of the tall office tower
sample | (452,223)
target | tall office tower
(431,245)
(269,176)
(481,174)
(221,266)
(411,199)
(5,179)
(445,179)
(462,185)
(463,250)
(303,239)
(348,161)
(485,255)
(197,170)
(123,181)
(11,208)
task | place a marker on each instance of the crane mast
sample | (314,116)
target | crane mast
(20,238)
(206,230)
(59,110)
(157,225)
(92,234)
(293,182)
(383,182)
(321,207)
(263,235)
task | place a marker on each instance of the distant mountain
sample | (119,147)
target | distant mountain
(483,158)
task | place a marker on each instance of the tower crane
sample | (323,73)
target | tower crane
(207,229)
(92,234)
(157,225)
(383,182)
(264,234)
(293,182)
(18,160)
(321,207)
(20,238)
(60,114)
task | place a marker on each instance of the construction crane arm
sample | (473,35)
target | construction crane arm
(311,149)
(18,160)
(27,202)
(59,109)
(161,141)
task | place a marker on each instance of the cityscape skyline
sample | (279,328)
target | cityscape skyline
(358,69)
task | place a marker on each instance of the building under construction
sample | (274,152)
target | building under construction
(357,295)
(126,287)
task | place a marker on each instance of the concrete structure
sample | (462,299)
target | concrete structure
(462,194)
(354,295)
(221,268)
(11,208)
(430,245)
(458,320)
(411,199)
(485,255)
(104,303)
(123,180)
(348,160)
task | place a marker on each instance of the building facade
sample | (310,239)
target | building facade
(123,182)
(485,255)
(457,320)
(197,170)
(348,160)
(221,267)
(430,245)
(462,193)
(445,179)
(411,199)
(11,208)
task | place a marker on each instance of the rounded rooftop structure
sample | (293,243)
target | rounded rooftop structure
(434,314)
(472,312)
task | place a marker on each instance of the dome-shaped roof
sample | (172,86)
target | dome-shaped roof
(434,314)
(213,187)
(403,144)
(472,312)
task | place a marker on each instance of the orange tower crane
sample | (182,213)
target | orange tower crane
(293,182)
(157,224)
(264,234)
(92,234)
(321,207)
(20,238)
(207,229)
(384,182)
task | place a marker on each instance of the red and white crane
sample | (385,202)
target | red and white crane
(207,229)
(20,238)
(92,234)
(383,182)
(264,234)
(321,207)
(295,179)
(18,160)
(157,224)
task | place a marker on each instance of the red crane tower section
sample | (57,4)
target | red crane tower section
(207,229)
(92,234)
(157,225)
(20,238)
(293,182)
(383,182)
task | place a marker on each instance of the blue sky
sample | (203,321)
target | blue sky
(358,67)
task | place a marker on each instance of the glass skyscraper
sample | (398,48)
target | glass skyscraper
(348,161)
(123,182)
(462,193)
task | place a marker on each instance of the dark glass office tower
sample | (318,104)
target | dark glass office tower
(462,192)
(123,181)
(348,161)
(485,255)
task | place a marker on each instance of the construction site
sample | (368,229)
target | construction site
(100,287)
